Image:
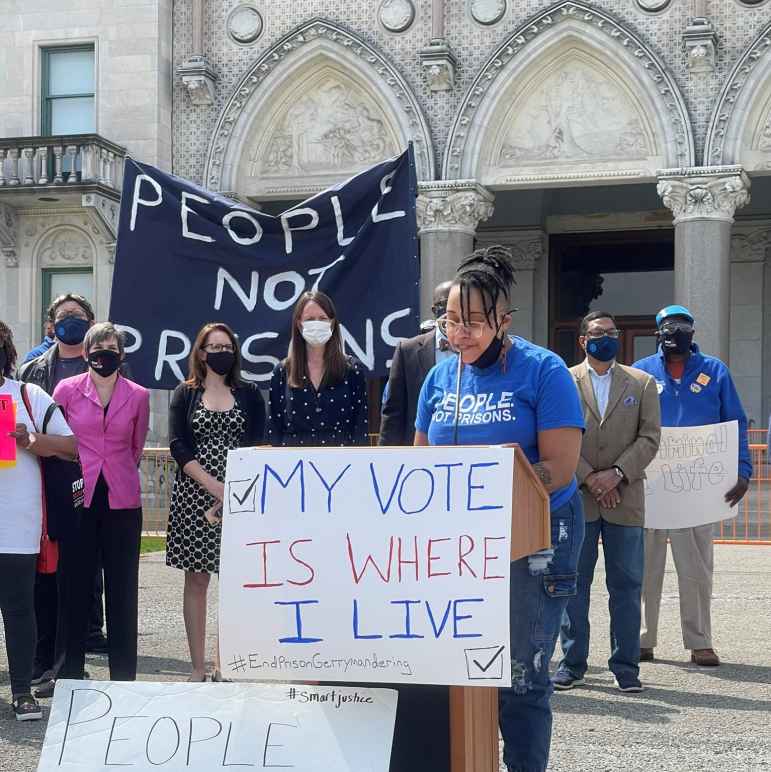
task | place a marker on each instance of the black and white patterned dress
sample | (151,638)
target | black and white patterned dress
(334,415)
(192,544)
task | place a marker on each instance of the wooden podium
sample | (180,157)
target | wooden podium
(474,710)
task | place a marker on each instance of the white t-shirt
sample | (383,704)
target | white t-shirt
(21,513)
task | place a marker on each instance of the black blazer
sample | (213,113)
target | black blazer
(412,360)
(185,400)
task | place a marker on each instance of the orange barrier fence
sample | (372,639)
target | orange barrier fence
(752,524)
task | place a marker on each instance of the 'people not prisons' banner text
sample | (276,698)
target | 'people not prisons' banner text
(186,256)
(372,565)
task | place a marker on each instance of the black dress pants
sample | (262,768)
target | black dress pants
(115,533)
(17,584)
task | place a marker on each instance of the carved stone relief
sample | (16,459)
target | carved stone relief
(397,15)
(487,11)
(755,150)
(245,24)
(704,193)
(647,117)
(558,121)
(447,206)
(65,246)
(727,139)
(7,226)
(751,247)
(328,125)
(653,5)
(764,140)
(283,76)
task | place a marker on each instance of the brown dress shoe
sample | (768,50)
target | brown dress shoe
(705,657)
(646,655)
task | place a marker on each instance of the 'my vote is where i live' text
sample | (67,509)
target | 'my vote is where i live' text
(369,550)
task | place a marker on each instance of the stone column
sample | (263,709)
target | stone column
(703,202)
(448,215)
(528,248)
(750,247)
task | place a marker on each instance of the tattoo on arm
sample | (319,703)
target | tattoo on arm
(544,475)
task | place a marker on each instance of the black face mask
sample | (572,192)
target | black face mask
(677,342)
(439,309)
(104,362)
(221,362)
(491,354)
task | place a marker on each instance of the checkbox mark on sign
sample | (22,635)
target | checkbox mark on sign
(485,664)
(242,495)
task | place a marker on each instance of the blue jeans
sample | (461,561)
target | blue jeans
(539,593)
(624,548)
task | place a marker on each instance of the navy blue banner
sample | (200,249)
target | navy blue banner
(186,256)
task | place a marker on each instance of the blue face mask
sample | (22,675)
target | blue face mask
(603,349)
(71,330)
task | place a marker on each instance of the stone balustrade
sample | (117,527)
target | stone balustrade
(68,160)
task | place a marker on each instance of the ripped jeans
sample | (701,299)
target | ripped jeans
(540,587)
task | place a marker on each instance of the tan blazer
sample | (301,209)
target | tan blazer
(627,437)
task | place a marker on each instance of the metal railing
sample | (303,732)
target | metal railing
(75,159)
(752,524)
(157,470)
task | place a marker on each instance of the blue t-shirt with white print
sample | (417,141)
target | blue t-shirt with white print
(535,392)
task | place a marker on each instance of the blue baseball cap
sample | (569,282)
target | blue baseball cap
(668,311)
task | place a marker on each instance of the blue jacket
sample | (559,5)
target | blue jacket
(39,350)
(706,395)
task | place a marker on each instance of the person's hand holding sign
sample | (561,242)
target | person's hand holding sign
(22,436)
(736,494)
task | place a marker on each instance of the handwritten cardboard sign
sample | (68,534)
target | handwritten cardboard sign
(7,425)
(368,564)
(694,469)
(104,725)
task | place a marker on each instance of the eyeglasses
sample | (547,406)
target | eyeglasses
(614,333)
(68,314)
(449,327)
(670,328)
(216,348)
(474,329)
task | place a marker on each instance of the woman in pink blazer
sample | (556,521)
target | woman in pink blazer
(109,416)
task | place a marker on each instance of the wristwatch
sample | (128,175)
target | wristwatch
(617,470)
(32,439)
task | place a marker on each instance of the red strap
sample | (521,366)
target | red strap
(49,553)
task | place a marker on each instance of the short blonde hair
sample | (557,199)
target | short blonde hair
(99,333)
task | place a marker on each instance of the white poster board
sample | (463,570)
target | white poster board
(104,725)
(693,470)
(376,565)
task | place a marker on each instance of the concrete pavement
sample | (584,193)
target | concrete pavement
(688,719)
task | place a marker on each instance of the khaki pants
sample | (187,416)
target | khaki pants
(692,551)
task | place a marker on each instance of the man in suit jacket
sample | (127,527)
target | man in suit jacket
(412,360)
(623,429)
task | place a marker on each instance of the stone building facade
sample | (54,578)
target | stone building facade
(621,148)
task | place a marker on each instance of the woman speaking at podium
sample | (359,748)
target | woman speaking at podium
(530,399)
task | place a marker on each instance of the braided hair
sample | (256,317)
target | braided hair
(490,271)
